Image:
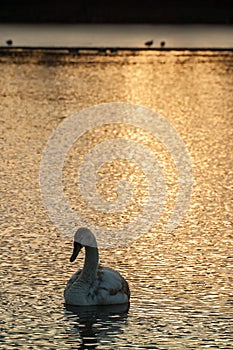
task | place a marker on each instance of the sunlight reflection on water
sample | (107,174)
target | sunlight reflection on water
(181,283)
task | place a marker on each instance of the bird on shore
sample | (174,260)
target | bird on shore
(94,284)
(9,42)
(162,43)
(149,43)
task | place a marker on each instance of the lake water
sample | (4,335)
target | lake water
(181,282)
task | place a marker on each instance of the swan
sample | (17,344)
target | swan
(94,284)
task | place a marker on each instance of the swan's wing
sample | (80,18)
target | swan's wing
(73,279)
(112,280)
(109,287)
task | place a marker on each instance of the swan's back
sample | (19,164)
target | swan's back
(110,287)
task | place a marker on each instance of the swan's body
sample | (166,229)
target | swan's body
(94,284)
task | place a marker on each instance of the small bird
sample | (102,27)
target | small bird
(94,284)
(149,43)
(162,43)
(9,42)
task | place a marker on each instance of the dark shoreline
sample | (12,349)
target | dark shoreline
(24,51)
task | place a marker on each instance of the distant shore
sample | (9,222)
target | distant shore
(134,37)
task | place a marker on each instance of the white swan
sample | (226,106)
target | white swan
(94,284)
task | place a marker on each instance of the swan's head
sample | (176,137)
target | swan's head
(82,238)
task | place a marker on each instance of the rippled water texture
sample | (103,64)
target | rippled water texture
(181,282)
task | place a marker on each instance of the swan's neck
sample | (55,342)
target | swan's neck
(90,265)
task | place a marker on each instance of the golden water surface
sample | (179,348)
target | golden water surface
(181,282)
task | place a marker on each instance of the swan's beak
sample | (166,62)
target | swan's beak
(76,250)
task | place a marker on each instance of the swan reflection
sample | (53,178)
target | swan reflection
(96,324)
